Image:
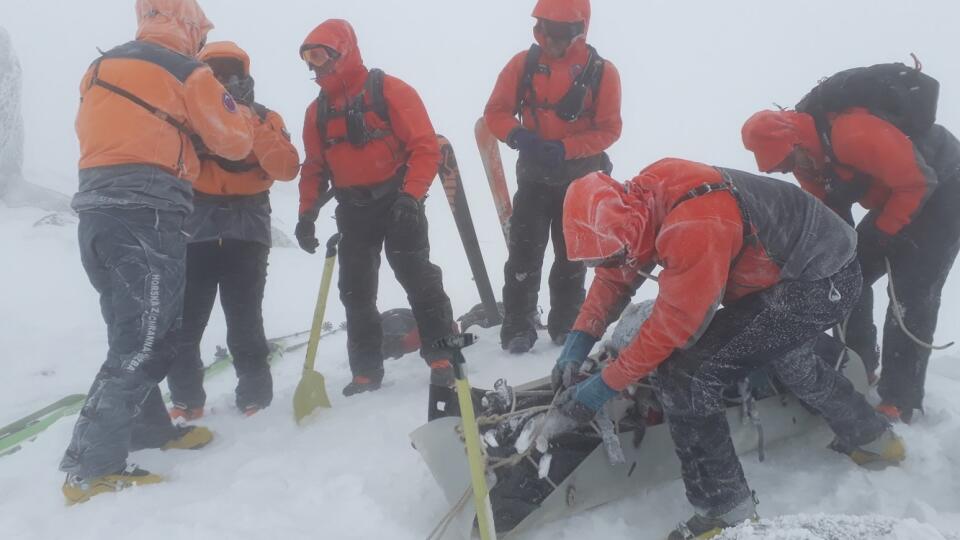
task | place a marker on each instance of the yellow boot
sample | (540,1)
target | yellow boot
(77,490)
(189,438)
(887,449)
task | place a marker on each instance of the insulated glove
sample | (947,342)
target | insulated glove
(577,406)
(405,211)
(551,154)
(306,233)
(873,239)
(524,140)
(574,353)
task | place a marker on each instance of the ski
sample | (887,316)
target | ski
(489,148)
(29,427)
(453,186)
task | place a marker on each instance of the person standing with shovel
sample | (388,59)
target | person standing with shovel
(369,141)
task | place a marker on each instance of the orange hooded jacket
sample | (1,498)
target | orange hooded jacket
(412,143)
(600,124)
(273,156)
(700,243)
(160,69)
(898,179)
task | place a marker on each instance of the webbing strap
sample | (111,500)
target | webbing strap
(699,191)
(155,111)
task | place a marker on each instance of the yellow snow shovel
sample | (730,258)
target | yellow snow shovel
(312,390)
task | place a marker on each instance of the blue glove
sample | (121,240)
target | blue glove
(574,353)
(524,140)
(591,394)
(551,154)
(576,407)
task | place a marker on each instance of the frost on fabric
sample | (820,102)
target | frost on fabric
(14,190)
(11,120)
(833,527)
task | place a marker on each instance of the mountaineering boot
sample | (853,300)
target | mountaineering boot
(702,527)
(184,413)
(519,344)
(442,399)
(77,490)
(895,414)
(887,449)
(189,438)
(361,384)
(254,391)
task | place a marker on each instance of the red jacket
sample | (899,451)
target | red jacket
(700,244)
(599,126)
(899,180)
(413,142)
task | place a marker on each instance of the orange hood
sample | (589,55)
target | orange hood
(568,11)
(602,216)
(772,135)
(349,74)
(179,25)
(226,49)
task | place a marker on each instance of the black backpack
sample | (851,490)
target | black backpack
(901,95)
(897,93)
(573,103)
(358,134)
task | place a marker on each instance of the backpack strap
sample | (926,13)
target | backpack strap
(260,110)
(531,65)
(374,89)
(155,111)
(749,235)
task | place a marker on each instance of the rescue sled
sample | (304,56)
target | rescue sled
(581,474)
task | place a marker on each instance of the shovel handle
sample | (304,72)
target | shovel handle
(319,310)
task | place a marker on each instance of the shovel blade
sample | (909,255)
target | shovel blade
(310,395)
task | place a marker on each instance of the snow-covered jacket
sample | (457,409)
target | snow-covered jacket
(140,105)
(714,247)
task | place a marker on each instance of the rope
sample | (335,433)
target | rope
(898,314)
(447,518)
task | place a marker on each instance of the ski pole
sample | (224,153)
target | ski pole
(471,433)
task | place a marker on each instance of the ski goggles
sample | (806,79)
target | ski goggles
(319,56)
(560,31)
(616,260)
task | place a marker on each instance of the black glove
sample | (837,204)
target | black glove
(241,89)
(524,140)
(306,233)
(551,154)
(405,211)
(873,239)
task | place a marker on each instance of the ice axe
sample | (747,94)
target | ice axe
(311,392)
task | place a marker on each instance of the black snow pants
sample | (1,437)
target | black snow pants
(919,275)
(777,327)
(367,230)
(135,259)
(537,217)
(238,268)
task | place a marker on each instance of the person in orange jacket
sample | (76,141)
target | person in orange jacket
(911,188)
(559,105)
(141,105)
(370,144)
(229,245)
(783,267)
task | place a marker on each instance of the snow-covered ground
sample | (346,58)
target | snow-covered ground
(692,72)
